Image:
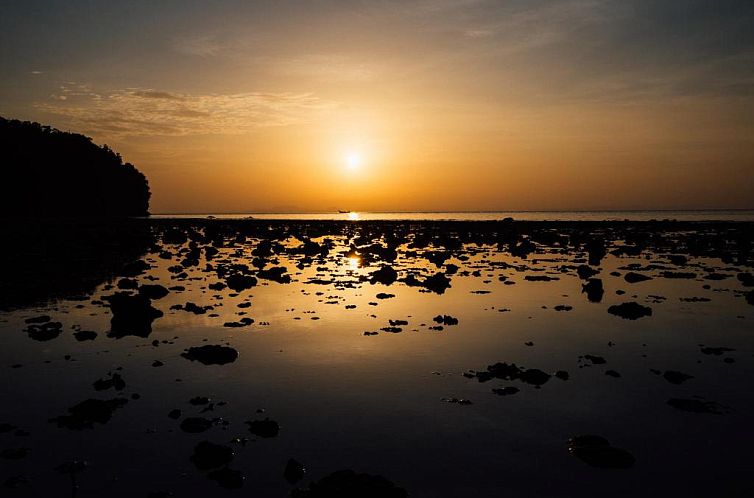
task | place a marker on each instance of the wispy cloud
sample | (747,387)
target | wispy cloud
(146,111)
(200,45)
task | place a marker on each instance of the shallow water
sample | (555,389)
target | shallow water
(378,403)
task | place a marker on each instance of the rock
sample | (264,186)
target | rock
(540,278)
(239,282)
(596,451)
(696,406)
(211,354)
(633,277)
(594,290)
(14,453)
(114,381)
(276,274)
(38,319)
(437,283)
(505,391)
(595,360)
(294,471)
(85,414)
(45,332)
(563,307)
(675,377)
(510,371)
(195,425)
(211,456)
(349,484)
(227,478)
(243,322)
(263,428)
(85,335)
(132,315)
(716,351)
(153,291)
(630,310)
(445,320)
(585,272)
(385,276)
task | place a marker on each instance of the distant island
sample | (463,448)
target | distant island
(51,173)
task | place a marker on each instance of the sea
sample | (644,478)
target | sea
(632,215)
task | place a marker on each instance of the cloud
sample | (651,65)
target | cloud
(145,111)
(324,67)
(202,45)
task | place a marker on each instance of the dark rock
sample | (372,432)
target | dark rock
(132,315)
(385,275)
(85,414)
(675,377)
(349,484)
(276,274)
(696,406)
(153,291)
(239,282)
(505,391)
(263,428)
(45,332)
(596,451)
(211,354)
(85,335)
(211,456)
(227,478)
(630,310)
(195,425)
(594,290)
(445,320)
(585,272)
(633,277)
(294,471)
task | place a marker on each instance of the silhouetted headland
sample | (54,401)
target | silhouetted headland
(48,172)
(65,203)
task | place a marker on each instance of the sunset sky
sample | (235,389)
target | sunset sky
(257,106)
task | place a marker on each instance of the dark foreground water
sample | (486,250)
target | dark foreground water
(454,359)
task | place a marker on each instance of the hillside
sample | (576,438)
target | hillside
(48,172)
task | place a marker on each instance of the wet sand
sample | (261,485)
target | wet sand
(453,359)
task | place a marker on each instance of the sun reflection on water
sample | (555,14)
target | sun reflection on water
(353,216)
(354,263)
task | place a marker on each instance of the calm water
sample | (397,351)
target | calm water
(378,404)
(709,215)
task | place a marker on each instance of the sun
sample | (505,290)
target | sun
(353,160)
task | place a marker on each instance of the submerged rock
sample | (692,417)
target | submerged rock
(696,406)
(211,456)
(349,484)
(594,290)
(596,451)
(85,414)
(195,425)
(630,310)
(385,276)
(263,428)
(294,471)
(675,377)
(227,478)
(132,315)
(211,354)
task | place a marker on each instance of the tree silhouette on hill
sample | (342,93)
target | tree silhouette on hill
(48,172)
